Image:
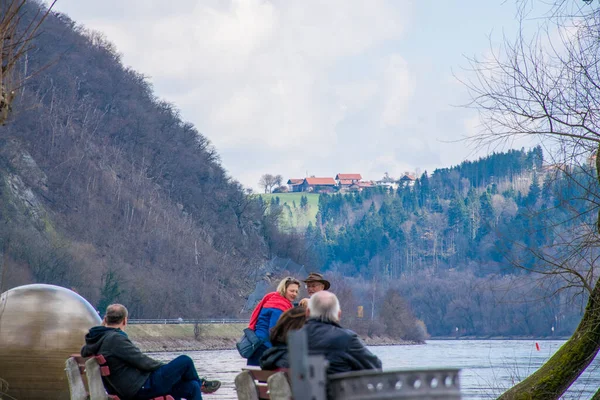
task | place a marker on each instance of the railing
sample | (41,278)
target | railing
(187,321)
(400,384)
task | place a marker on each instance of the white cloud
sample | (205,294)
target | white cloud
(284,87)
(398,90)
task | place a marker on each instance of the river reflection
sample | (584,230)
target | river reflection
(488,367)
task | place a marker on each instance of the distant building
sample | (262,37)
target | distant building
(354,178)
(345,181)
(295,185)
(387,181)
(366,185)
(407,179)
(318,185)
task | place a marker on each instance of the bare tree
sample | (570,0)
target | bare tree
(550,90)
(268,182)
(15,41)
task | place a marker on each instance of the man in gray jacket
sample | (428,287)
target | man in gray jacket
(342,348)
(134,375)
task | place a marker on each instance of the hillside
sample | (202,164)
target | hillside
(105,189)
(460,244)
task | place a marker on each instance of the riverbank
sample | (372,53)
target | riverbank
(190,337)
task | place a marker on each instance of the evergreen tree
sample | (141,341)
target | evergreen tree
(534,192)
(304,202)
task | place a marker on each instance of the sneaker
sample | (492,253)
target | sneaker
(210,386)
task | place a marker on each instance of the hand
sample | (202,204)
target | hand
(303,303)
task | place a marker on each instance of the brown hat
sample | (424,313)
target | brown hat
(316,277)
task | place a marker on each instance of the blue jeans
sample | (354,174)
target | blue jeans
(254,359)
(177,378)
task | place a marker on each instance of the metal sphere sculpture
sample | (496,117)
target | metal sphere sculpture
(40,327)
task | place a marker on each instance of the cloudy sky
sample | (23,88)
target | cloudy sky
(302,87)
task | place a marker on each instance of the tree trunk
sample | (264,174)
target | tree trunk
(565,366)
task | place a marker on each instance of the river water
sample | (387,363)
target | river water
(488,367)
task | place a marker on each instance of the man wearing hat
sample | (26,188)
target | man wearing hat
(314,283)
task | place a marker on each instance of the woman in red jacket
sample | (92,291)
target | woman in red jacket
(267,312)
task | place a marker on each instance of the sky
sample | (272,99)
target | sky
(311,88)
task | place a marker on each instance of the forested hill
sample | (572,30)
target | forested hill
(460,243)
(106,190)
(464,217)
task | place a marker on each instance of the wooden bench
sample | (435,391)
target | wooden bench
(77,388)
(258,384)
(94,369)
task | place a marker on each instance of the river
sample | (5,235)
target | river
(488,367)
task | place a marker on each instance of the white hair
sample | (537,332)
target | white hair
(325,306)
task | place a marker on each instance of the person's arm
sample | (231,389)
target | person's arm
(131,354)
(85,351)
(359,351)
(275,314)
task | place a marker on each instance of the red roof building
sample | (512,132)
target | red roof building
(351,177)
(366,184)
(320,185)
(407,180)
(320,181)
(295,185)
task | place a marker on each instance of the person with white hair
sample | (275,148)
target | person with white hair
(344,350)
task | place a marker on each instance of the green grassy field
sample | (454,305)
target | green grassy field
(295,217)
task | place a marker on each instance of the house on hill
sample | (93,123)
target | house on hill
(318,185)
(345,181)
(295,185)
(407,179)
(387,181)
(366,185)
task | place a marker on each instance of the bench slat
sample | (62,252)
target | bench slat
(245,386)
(279,386)
(260,375)
(263,392)
(76,386)
(251,384)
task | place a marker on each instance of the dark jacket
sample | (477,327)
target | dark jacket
(129,367)
(341,347)
(274,358)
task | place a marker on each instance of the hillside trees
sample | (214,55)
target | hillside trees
(549,90)
(128,192)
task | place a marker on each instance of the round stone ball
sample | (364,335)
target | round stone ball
(40,327)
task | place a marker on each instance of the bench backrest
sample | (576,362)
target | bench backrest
(76,386)
(279,386)
(94,378)
(95,369)
(258,384)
